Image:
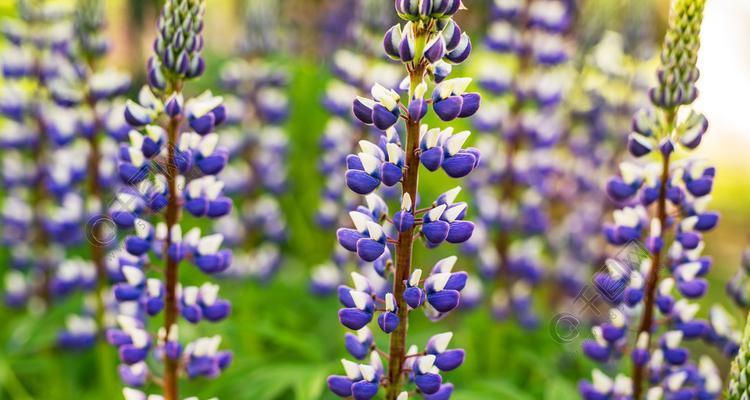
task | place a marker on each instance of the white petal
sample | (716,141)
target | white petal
(455,142)
(673,338)
(142,228)
(361,299)
(369,162)
(394,152)
(360,220)
(360,282)
(371,148)
(436,213)
(426,362)
(367,371)
(442,340)
(375,230)
(439,280)
(452,213)
(209,293)
(446,264)
(208,144)
(390,302)
(133,275)
(406,202)
(450,196)
(190,295)
(351,369)
(602,383)
(416,275)
(210,244)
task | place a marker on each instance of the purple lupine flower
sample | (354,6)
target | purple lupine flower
(259,146)
(375,235)
(40,171)
(512,189)
(165,169)
(63,131)
(664,206)
(597,127)
(356,70)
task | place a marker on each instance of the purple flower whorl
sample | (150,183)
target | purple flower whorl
(257,110)
(170,167)
(523,124)
(663,205)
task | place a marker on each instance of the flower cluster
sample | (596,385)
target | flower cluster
(52,107)
(609,89)
(426,45)
(168,168)
(254,137)
(355,71)
(523,122)
(178,44)
(663,204)
(92,95)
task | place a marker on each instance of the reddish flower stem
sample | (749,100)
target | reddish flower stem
(404,252)
(647,318)
(172,216)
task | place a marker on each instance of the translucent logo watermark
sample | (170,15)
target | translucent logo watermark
(593,301)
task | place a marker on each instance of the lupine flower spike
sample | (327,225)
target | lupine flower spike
(664,205)
(254,137)
(92,96)
(356,69)
(521,129)
(608,90)
(42,170)
(426,45)
(169,169)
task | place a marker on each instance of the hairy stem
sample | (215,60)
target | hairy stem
(404,252)
(172,268)
(647,318)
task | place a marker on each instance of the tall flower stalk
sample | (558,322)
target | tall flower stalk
(91,95)
(355,70)
(425,45)
(607,91)
(168,169)
(256,112)
(42,211)
(523,123)
(666,200)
